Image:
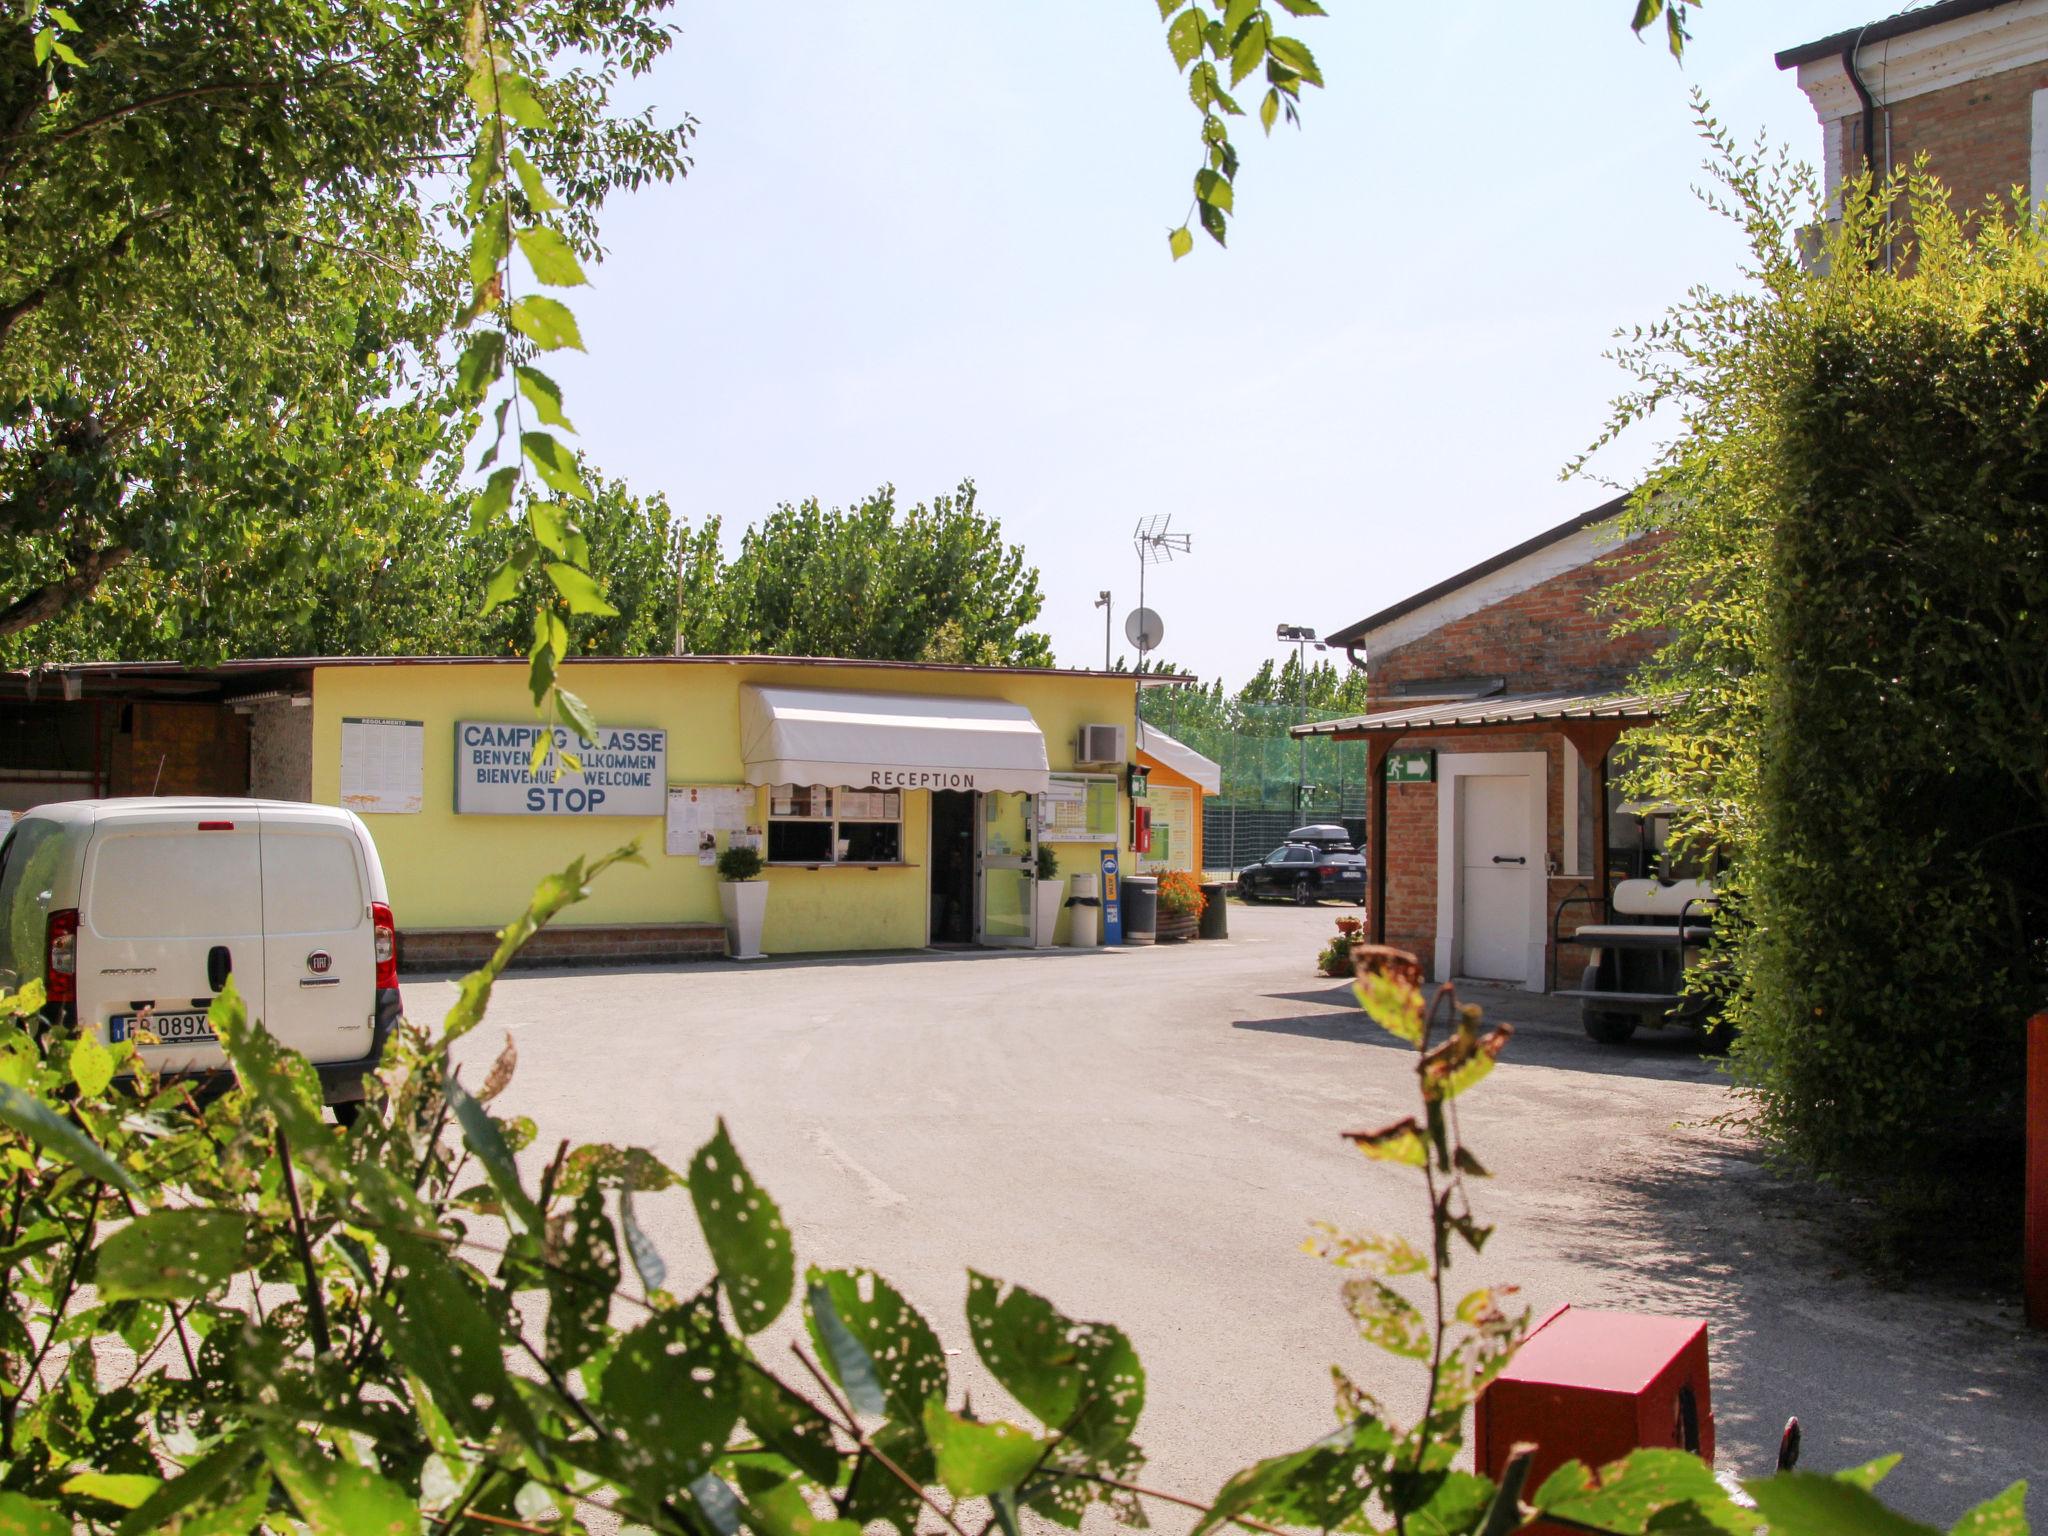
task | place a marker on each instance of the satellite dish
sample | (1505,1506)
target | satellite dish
(1144,629)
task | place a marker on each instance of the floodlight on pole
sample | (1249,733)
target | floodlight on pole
(1301,637)
(1102,601)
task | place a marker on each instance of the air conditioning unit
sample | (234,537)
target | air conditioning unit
(1099,745)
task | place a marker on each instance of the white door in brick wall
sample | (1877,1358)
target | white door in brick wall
(1495,865)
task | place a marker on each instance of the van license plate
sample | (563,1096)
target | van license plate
(180,1028)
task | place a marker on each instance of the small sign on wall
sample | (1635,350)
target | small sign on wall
(1417,766)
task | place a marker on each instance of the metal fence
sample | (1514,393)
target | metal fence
(1236,835)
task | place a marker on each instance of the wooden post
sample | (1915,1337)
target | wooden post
(1376,749)
(1594,739)
(2035,1259)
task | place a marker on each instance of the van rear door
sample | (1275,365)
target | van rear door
(173,903)
(320,960)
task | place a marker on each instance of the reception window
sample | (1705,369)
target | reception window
(816,824)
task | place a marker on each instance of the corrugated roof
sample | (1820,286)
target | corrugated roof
(1519,709)
(1182,759)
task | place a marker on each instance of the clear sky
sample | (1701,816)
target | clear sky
(926,240)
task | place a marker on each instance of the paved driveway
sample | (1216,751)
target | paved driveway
(1144,1135)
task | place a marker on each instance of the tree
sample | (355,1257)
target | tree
(228,260)
(935,583)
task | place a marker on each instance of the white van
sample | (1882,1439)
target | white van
(122,906)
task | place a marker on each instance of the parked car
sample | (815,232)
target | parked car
(1304,874)
(134,913)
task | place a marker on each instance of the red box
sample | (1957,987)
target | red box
(1593,1386)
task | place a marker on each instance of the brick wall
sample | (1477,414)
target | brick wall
(1551,638)
(1977,136)
(462,949)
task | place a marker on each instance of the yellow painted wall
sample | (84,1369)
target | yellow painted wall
(450,871)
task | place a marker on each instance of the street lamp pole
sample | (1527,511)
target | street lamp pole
(1102,602)
(1301,637)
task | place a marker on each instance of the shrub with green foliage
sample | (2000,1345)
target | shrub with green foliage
(739,862)
(1855,576)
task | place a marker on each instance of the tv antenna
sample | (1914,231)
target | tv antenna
(1156,544)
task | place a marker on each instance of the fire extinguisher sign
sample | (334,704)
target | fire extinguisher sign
(1112,900)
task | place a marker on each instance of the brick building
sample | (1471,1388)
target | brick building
(1494,702)
(1965,82)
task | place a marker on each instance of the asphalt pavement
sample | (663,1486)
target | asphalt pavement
(1145,1135)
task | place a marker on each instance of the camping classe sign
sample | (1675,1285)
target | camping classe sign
(624,772)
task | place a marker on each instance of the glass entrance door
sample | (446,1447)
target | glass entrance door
(1005,866)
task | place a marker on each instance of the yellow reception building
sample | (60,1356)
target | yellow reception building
(895,805)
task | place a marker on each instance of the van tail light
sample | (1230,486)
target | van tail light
(386,939)
(60,956)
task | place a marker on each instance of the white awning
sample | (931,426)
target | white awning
(1182,759)
(889,740)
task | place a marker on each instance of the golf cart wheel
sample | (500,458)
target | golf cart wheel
(1607,1028)
(1304,894)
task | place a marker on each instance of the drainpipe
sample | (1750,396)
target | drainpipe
(1351,655)
(1869,105)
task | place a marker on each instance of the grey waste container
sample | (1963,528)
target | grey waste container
(1084,912)
(1141,909)
(1215,922)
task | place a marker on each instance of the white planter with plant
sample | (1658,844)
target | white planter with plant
(1050,891)
(744,896)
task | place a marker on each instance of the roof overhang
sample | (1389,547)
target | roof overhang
(889,740)
(1182,759)
(1526,711)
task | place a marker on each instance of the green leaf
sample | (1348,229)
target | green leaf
(546,396)
(1250,51)
(845,1357)
(1674,1488)
(1212,221)
(21,1515)
(220,1484)
(1184,37)
(908,1368)
(483,170)
(481,1135)
(60,1138)
(123,1489)
(578,717)
(546,322)
(554,463)
(92,1066)
(494,500)
(440,1329)
(744,1231)
(545,520)
(1320,1487)
(646,1257)
(517,101)
(280,1081)
(487,244)
(975,1460)
(1269,109)
(538,198)
(579,1301)
(339,1500)
(63,19)
(503,585)
(553,262)
(1212,189)
(46,40)
(672,1393)
(1180,242)
(1387,1318)
(579,590)
(1302,8)
(780,1509)
(1295,55)
(788,1425)
(1809,1504)
(2004,1515)
(483,359)
(1080,1378)
(171,1254)
(1871,1473)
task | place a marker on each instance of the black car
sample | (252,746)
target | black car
(1305,874)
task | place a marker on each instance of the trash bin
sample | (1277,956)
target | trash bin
(1084,912)
(1215,922)
(1141,909)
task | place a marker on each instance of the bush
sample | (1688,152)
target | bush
(1854,579)
(739,862)
(1181,894)
(1048,863)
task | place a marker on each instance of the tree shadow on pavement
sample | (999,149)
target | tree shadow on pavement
(1796,1326)
(1547,1033)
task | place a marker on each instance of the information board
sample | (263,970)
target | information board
(383,769)
(698,813)
(622,773)
(1072,810)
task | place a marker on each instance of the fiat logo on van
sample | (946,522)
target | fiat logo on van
(319,961)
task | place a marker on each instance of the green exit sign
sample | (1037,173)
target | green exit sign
(1417,767)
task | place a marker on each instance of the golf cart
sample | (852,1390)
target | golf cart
(1654,925)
